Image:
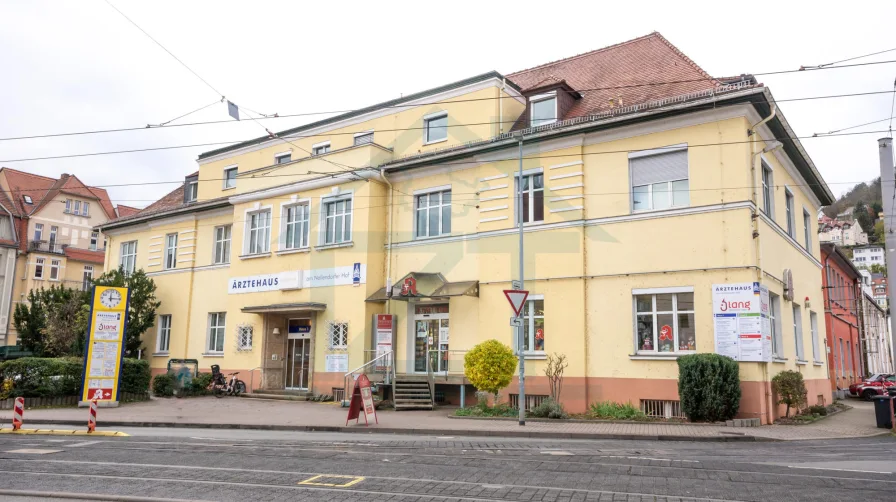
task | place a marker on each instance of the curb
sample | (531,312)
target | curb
(421,432)
(583,421)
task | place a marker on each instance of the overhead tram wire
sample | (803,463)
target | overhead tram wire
(163,124)
(294,115)
(151,149)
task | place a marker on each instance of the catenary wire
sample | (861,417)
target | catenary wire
(230,121)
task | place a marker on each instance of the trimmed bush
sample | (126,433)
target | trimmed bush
(818,410)
(200,383)
(790,389)
(489,366)
(135,376)
(615,411)
(548,408)
(163,385)
(43,377)
(709,387)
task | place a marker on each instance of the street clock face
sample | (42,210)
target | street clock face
(110,298)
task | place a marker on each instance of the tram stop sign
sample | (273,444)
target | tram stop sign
(517,299)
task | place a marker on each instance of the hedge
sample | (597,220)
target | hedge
(709,387)
(61,377)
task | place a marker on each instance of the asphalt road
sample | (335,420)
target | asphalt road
(184,464)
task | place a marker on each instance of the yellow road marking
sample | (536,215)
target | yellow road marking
(311,481)
(63,432)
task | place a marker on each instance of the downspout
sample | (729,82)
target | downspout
(501,106)
(388,236)
(769,405)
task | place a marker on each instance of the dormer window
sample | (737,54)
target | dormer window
(193,191)
(543,109)
(27,199)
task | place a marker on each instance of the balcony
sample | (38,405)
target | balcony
(84,285)
(46,247)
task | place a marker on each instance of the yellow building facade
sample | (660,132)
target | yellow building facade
(276,259)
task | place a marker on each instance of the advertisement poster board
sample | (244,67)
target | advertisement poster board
(104,346)
(384,325)
(740,321)
(362,402)
(336,363)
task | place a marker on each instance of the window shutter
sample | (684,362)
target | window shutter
(669,166)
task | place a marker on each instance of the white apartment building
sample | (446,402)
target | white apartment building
(864,257)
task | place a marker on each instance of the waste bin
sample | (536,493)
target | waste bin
(882,411)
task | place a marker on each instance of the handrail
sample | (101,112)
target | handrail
(349,377)
(448,370)
(430,377)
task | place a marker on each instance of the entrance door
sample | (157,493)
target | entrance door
(298,354)
(431,338)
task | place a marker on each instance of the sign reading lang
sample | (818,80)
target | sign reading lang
(741,322)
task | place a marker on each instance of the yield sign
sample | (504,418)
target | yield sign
(517,299)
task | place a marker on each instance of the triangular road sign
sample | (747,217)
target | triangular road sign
(517,299)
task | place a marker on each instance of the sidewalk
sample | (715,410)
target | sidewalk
(307,416)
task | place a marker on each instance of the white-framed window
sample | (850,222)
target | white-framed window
(337,220)
(774,318)
(68,205)
(54,270)
(170,251)
(54,230)
(128,258)
(798,333)
(244,334)
(85,209)
(664,321)
(533,324)
(532,194)
(217,325)
(163,338)
(258,232)
(363,138)
(296,220)
(543,109)
(320,148)
(192,191)
(659,179)
(38,268)
(768,203)
(788,210)
(813,325)
(87,278)
(283,158)
(433,213)
(77,206)
(27,199)
(807,226)
(337,335)
(38,231)
(222,244)
(435,127)
(94,240)
(230,177)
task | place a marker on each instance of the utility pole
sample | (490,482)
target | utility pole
(521,331)
(888,193)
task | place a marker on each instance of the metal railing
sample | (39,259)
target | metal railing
(46,247)
(384,363)
(443,363)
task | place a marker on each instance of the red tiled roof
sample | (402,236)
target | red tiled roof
(125,211)
(85,255)
(172,200)
(42,189)
(617,72)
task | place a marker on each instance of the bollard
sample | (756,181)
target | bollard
(18,412)
(91,419)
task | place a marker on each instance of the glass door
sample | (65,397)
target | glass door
(298,354)
(430,337)
(421,345)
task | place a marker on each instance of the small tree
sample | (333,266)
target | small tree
(142,304)
(30,321)
(709,387)
(556,365)
(48,323)
(878,235)
(489,366)
(790,389)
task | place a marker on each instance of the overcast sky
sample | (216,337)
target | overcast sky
(77,66)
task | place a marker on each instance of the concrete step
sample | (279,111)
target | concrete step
(278,397)
(411,378)
(407,385)
(284,392)
(416,392)
(399,407)
(404,399)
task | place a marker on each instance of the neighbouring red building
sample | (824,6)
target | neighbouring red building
(841,282)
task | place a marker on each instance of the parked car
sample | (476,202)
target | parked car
(875,385)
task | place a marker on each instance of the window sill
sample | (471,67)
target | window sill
(160,354)
(818,363)
(213,354)
(670,208)
(431,237)
(253,256)
(659,356)
(228,188)
(801,362)
(293,251)
(338,245)
(533,355)
(434,142)
(780,360)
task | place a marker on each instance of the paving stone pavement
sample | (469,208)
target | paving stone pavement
(857,422)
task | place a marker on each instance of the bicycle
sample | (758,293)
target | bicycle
(229,386)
